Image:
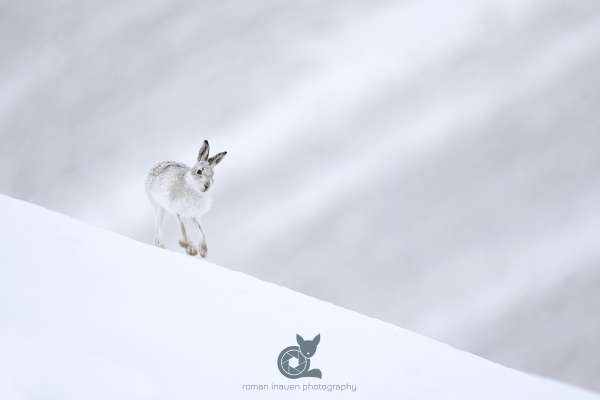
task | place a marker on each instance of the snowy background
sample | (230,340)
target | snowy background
(431,164)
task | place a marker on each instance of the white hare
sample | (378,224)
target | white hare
(178,189)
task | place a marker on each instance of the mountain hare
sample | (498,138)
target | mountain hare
(178,189)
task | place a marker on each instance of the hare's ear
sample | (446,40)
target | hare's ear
(203,152)
(299,340)
(217,158)
(317,339)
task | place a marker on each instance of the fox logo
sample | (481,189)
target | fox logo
(294,361)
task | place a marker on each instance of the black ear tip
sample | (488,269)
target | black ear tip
(205,141)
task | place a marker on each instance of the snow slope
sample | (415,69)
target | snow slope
(88,314)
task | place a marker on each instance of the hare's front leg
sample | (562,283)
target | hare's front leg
(160,216)
(184,241)
(202,246)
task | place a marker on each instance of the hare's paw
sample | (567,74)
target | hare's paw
(184,244)
(191,250)
(203,250)
(158,243)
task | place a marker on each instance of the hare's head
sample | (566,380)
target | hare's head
(308,347)
(202,172)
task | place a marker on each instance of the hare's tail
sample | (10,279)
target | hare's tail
(314,373)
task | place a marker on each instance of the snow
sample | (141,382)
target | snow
(89,314)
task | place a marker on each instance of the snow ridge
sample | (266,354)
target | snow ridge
(86,313)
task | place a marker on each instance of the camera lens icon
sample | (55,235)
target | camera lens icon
(292,363)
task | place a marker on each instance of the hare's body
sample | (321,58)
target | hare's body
(169,188)
(175,188)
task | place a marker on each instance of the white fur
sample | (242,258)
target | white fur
(177,189)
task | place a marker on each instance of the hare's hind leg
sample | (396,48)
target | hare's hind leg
(184,241)
(160,217)
(203,247)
